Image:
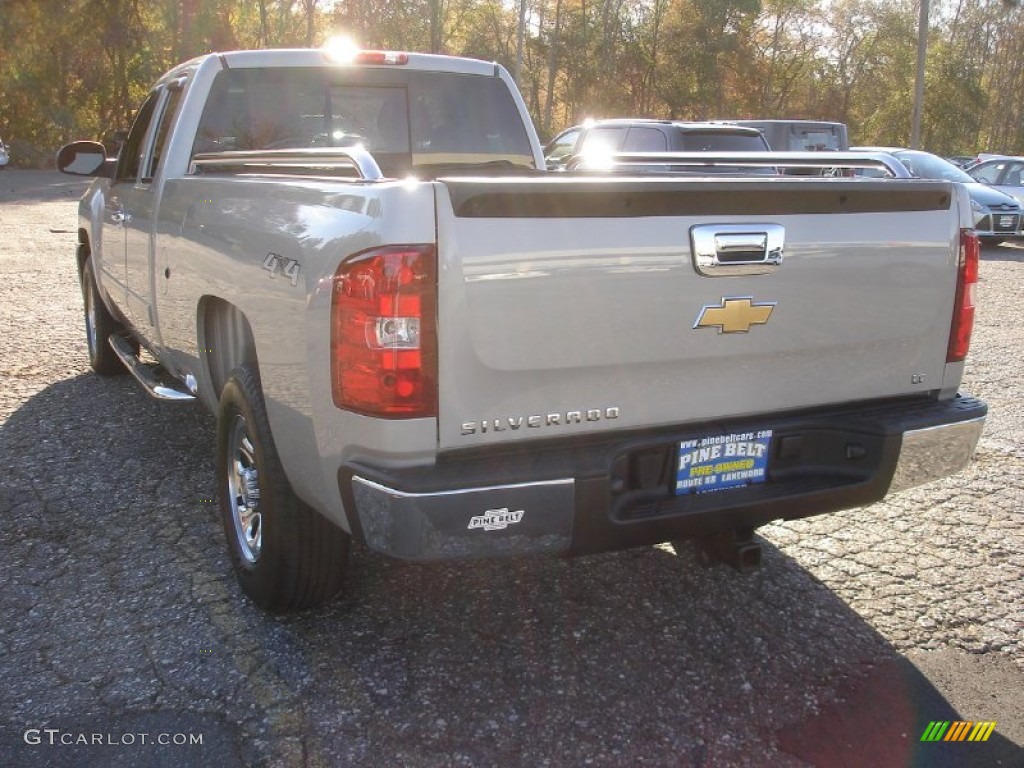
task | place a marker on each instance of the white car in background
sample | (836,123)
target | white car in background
(5,156)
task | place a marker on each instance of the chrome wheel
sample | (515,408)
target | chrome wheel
(285,554)
(244,490)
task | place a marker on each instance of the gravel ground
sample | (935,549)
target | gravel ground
(121,617)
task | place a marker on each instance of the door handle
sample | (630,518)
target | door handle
(737,249)
(120,217)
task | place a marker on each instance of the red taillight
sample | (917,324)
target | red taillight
(384,332)
(963,308)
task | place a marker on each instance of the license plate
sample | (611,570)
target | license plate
(718,462)
(1007,222)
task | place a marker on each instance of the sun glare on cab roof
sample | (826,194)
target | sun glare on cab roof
(341,49)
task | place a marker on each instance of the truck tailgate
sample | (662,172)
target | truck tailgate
(572,305)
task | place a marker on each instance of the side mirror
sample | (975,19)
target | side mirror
(84,158)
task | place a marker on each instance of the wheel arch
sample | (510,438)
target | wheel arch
(225,341)
(83,251)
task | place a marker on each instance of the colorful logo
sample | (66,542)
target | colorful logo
(958,730)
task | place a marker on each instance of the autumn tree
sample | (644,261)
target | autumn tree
(78,68)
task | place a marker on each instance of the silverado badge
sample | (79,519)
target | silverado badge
(734,314)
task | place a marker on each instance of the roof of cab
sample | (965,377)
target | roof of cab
(318,57)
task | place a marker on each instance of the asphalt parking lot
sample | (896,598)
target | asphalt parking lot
(121,618)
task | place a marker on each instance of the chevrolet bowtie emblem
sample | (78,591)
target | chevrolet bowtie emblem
(734,315)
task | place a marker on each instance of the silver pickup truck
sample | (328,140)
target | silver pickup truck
(414,336)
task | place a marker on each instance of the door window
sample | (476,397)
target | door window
(1013,176)
(131,153)
(168,112)
(987,173)
(562,147)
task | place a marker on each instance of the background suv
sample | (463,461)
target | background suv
(638,135)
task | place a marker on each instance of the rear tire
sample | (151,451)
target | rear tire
(99,325)
(285,554)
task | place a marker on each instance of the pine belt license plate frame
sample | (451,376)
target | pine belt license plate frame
(722,461)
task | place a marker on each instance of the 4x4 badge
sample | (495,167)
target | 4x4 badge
(734,314)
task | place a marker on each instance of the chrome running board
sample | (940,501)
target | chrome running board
(153,378)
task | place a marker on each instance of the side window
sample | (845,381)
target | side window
(170,109)
(987,173)
(135,144)
(562,148)
(723,141)
(1013,176)
(911,165)
(567,141)
(609,139)
(645,140)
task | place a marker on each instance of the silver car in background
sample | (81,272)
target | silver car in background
(997,216)
(5,156)
(1001,173)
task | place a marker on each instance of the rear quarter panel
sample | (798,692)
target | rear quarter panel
(214,238)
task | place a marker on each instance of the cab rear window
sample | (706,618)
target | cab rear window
(405,118)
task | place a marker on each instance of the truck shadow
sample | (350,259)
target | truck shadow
(637,657)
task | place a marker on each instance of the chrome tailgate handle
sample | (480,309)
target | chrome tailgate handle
(737,249)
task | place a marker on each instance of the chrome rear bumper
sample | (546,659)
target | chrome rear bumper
(935,452)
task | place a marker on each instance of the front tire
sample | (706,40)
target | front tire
(99,325)
(285,554)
